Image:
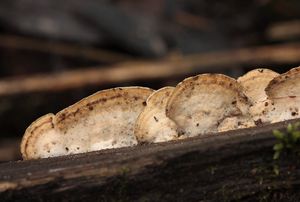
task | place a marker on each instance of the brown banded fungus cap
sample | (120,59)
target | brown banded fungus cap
(199,104)
(153,125)
(254,83)
(103,120)
(283,101)
(207,103)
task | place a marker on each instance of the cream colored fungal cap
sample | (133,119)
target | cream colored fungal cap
(285,85)
(254,83)
(276,110)
(200,103)
(103,120)
(236,122)
(152,124)
(283,101)
(42,139)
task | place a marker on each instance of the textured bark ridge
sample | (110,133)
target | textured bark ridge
(231,166)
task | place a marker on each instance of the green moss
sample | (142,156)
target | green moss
(287,142)
(212,169)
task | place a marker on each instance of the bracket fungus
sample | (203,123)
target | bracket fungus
(283,99)
(153,125)
(103,120)
(199,104)
(254,83)
(203,104)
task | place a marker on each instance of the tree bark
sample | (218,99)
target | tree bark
(231,166)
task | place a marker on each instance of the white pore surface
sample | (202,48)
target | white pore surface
(289,87)
(111,129)
(199,112)
(49,144)
(233,123)
(153,125)
(156,126)
(276,110)
(255,82)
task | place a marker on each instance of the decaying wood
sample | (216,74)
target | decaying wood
(138,70)
(231,166)
(64,49)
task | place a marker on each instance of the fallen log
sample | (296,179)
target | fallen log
(232,166)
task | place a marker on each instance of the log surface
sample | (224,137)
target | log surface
(230,166)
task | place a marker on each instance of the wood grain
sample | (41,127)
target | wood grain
(235,165)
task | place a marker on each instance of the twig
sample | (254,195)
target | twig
(25,43)
(137,70)
(284,30)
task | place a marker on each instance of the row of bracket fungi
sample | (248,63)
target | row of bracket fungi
(127,116)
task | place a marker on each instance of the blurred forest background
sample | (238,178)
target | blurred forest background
(53,53)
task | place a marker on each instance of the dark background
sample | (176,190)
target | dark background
(53,53)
